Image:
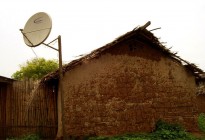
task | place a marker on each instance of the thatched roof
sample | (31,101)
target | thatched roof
(139,31)
(6,80)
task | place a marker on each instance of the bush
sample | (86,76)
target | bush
(201,122)
(162,125)
(169,131)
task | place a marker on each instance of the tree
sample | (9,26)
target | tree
(35,68)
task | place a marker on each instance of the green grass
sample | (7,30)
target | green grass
(26,137)
(166,135)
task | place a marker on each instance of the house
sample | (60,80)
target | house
(128,85)
(5,89)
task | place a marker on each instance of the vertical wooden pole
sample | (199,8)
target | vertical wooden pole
(61,96)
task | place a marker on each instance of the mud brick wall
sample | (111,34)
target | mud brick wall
(201,103)
(127,89)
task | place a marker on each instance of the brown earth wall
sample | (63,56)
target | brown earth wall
(127,89)
(201,103)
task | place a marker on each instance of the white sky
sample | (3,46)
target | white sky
(89,24)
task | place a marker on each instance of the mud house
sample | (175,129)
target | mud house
(5,88)
(127,85)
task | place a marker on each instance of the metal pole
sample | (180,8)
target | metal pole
(61,83)
(26,37)
(50,46)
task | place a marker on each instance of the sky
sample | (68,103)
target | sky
(85,25)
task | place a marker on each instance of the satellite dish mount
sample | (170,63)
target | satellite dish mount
(35,32)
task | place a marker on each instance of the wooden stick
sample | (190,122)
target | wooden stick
(155,29)
(145,26)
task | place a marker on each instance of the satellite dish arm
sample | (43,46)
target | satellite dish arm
(25,36)
(49,46)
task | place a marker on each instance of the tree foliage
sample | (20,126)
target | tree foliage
(35,68)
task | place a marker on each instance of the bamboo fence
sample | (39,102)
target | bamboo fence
(27,108)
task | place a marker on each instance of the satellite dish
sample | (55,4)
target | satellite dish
(37,29)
